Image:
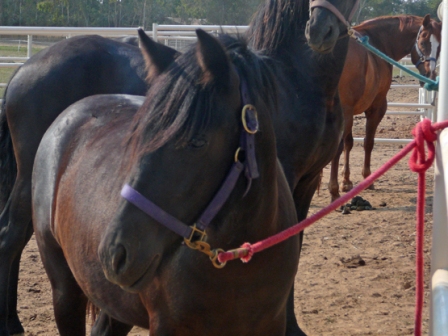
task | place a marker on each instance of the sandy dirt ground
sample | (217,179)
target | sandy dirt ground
(356,275)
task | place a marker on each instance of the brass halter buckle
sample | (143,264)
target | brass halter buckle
(243,118)
(202,246)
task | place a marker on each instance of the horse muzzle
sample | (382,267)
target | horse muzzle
(322,31)
(126,266)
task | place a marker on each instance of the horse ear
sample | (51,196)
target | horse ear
(213,59)
(426,20)
(157,56)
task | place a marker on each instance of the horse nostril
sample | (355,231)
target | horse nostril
(329,33)
(118,259)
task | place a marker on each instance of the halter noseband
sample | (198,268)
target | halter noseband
(335,11)
(194,235)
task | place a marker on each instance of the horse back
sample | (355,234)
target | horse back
(78,67)
(67,138)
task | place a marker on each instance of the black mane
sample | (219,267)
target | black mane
(275,24)
(180,105)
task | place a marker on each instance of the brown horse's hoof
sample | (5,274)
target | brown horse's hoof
(371,187)
(346,186)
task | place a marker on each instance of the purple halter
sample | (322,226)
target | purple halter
(194,235)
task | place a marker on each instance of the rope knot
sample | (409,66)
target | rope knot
(433,86)
(250,252)
(423,133)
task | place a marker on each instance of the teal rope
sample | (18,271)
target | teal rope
(430,84)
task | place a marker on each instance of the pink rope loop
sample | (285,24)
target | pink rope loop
(250,252)
(423,132)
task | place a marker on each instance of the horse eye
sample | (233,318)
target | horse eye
(197,142)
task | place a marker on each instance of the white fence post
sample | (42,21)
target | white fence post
(439,252)
(29,51)
(154,31)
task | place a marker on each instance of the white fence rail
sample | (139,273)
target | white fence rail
(177,36)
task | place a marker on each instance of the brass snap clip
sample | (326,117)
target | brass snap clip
(202,246)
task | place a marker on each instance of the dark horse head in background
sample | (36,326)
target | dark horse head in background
(309,123)
(36,94)
(205,121)
(427,47)
(328,20)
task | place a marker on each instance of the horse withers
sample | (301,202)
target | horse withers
(364,85)
(196,165)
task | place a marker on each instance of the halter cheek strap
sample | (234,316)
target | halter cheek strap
(422,57)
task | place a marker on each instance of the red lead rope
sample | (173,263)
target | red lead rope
(424,132)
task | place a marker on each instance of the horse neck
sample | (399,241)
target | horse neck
(387,36)
(331,66)
(262,196)
(278,24)
(255,215)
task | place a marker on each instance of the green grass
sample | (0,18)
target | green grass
(16,50)
(13,51)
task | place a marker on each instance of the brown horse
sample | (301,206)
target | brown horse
(196,173)
(365,82)
(426,50)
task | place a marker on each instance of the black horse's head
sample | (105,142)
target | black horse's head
(329,19)
(184,143)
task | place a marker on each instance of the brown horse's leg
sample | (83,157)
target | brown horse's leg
(107,326)
(374,115)
(346,184)
(333,185)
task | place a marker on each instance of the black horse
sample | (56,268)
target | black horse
(198,163)
(309,103)
(308,58)
(37,93)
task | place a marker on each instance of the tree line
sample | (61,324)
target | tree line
(133,13)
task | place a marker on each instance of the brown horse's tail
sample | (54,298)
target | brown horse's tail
(92,312)
(8,166)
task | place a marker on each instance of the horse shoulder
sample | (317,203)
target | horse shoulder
(62,143)
(285,201)
(352,84)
